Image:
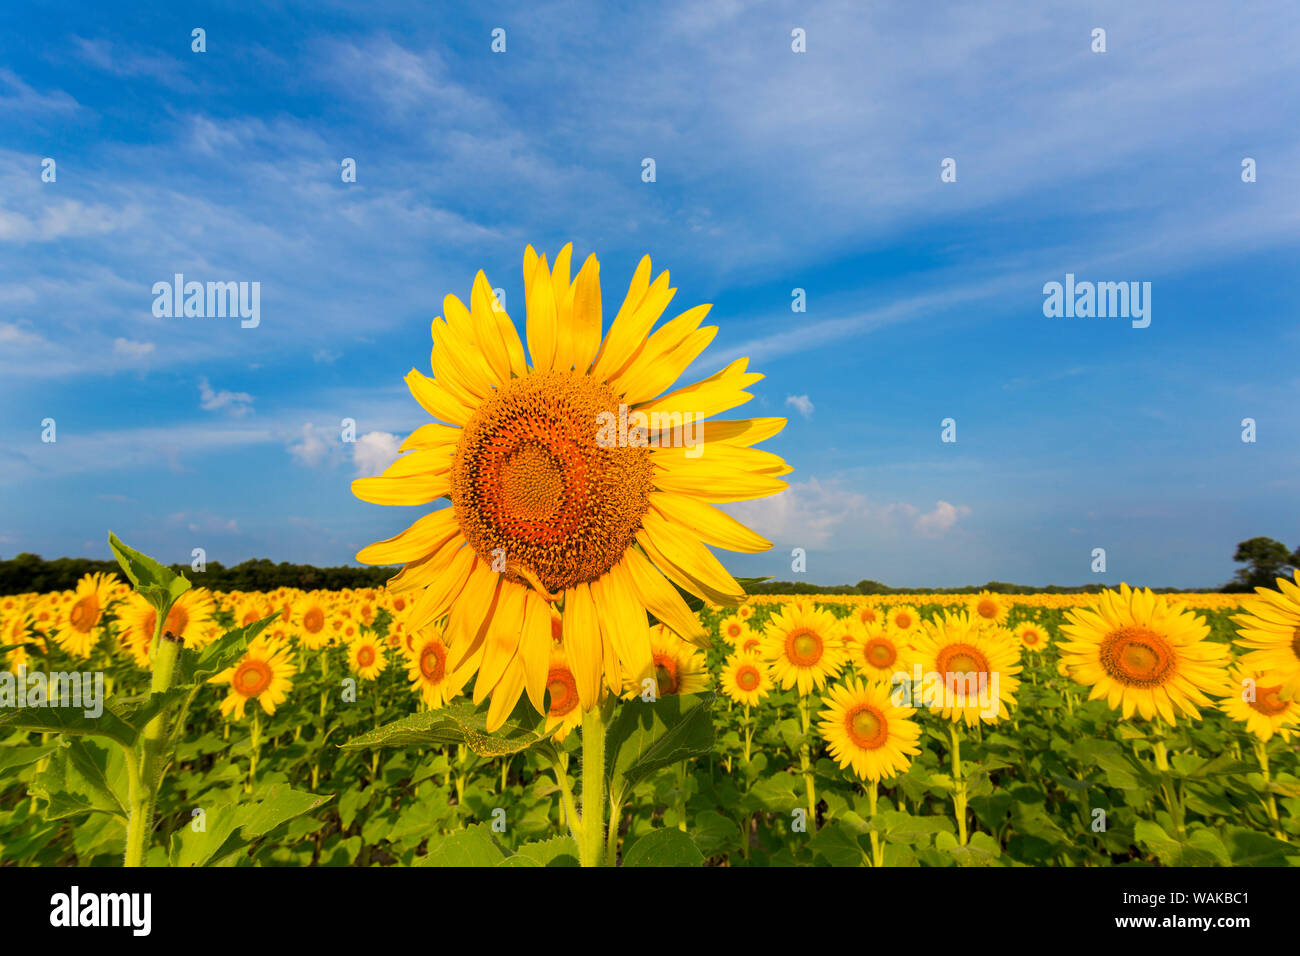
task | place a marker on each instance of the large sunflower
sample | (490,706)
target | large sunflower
(263,674)
(1142,652)
(79,624)
(864,730)
(1271,629)
(969,663)
(803,647)
(557,494)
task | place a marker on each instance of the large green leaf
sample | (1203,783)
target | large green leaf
(557,851)
(460,722)
(155,582)
(69,720)
(82,777)
(231,827)
(472,846)
(647,736)
(667,846)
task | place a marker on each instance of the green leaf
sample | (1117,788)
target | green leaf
(648,736)
(557,851)
(472,846)
(1252,848)
(837,842)
(231,827)
(663,847)
(83,777)
(156,583)
(460,722)
(69,720)
(12,758)
(1201,848)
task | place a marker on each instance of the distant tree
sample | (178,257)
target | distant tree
(1266,559)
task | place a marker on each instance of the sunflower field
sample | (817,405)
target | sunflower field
(334,729)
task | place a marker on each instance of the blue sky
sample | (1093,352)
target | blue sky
(775,170)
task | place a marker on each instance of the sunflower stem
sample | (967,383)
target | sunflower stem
(591,845)
(873,794)
(254,746)
(1270,804)
(958,783)
(805,762)
(144,768)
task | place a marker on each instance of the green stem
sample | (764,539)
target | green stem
(591,845)
(1270,804)
(560,766)
(958,784)
(805,763)
(145,769)
(254,746)
(681,796)
(873,794)
(1170,792)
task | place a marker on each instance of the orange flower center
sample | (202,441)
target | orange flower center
(365,655)
(85,613)
(1268,701)
(903,620)
(986,609)
(563,688)
(958,661)
(1137,657)
(665,673)
(881,652)
(866,726)
(314,620)
(748,678)
(433,661)
(532,480)
(803,647)
(251,678)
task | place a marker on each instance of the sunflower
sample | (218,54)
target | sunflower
(562,710)
(869,614)
(1271,629)
(190,619)
(557,492)
(430,668)
(1142,652)
(988,610)
(366,657)
(745,679)
(878,653)
(262,674)
(78,627)
(864,730)
(745,611)
(733,630)
(676,666)
(1032,637)
(970,664)
(904,618)
(803,647)
(312,617)
(14,640)
(1258,703)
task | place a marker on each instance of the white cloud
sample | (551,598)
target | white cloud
(315,447)
(940,520)
(131,350)
(375,451)
(828,515)
(210,400)
(802,403)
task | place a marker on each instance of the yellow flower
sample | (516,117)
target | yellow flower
(312,617)
(1271,628)
(1257,702)
(864,730)
(904,618)
(562,710)
(988,609)
(878,653)
(557,492)
(79,623)
(974,667)
(1032,637)
(430,668)
(190,619)
(676,666)
(734,630)
(1142,652)
(366,657)
(262,674)
(745,679)
(803,647)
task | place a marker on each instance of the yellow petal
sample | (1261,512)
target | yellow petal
(541,318)
(661,599)
(582,643)
(505,695)
(425,537)
(432,435)
(502,641)
(718,483)
(713,526)
(435,399)
(483,303)
(428,461)
(535,648)
(411,490)
(630,328)
(690,564)
(622,620)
